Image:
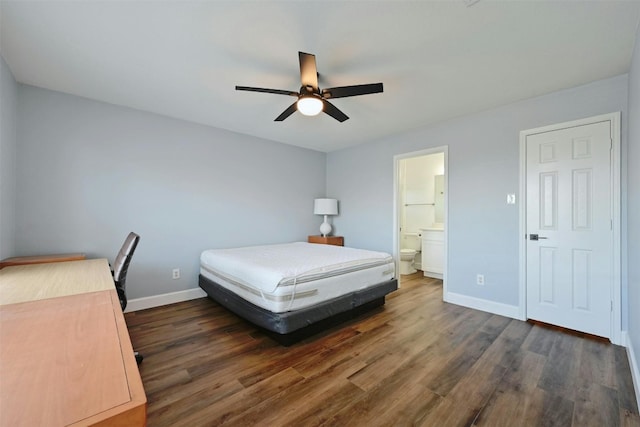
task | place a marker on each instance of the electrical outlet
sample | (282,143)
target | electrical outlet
(176,273)
(480,279)
(511,199)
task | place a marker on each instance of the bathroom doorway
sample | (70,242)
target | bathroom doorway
(420,215)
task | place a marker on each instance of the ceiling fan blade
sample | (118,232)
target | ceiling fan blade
(345,91)
(308,70)
(263,90)
(286,113)
(333,111)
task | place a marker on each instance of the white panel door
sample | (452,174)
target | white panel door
(569,205)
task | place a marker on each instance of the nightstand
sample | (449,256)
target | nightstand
(327,240)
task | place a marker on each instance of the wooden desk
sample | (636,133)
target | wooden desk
(40,259)
(41,281)
(66,359)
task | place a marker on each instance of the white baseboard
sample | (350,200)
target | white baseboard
(164,299)
(512,311)
(633,364)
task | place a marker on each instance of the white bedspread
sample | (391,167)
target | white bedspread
(266,267)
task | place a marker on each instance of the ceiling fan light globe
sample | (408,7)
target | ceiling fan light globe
(309,105)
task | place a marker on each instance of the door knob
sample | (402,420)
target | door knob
(536,237)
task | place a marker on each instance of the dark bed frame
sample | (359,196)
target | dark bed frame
(292,326)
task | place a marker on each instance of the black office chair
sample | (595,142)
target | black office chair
(119,271)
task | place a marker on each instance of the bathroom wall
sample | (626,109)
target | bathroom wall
(417,177)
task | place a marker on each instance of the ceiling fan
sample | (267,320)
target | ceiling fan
(311,100)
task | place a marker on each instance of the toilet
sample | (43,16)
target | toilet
(410,246)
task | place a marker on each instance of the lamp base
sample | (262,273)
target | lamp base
(325,228)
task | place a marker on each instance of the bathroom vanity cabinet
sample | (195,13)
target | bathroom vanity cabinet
(433,252)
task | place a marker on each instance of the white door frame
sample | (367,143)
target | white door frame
(614,118)
(397,202)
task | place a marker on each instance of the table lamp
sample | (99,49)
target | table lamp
(325,207)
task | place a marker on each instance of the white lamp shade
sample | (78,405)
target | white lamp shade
(325,207)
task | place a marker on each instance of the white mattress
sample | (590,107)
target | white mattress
(268,276)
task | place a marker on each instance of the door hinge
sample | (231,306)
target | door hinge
(612,306)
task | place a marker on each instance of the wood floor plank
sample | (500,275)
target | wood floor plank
(597,363)
(172,410)
(628,419)
(478,385)
(524,373)
(397,354)
(541,340)
(413,409)
(414,361)
(386,404)
(597,406)
(514,401)
(555,411)
(187,352)
(561,373)
(236,404)
(624,382)
(319,411)
(448,413)
(290,403)
(394,392)
(460,362)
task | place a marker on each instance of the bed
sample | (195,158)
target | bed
(295,290)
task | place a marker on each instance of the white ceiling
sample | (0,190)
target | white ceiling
(437,59)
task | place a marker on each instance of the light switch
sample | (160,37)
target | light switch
(511,199)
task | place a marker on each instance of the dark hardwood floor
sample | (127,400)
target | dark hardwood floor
(415,361)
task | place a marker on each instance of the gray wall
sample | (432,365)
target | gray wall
(8,141)
(90,172)
(483,168)
(633,160)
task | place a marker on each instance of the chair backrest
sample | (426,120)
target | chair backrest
(121,266)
